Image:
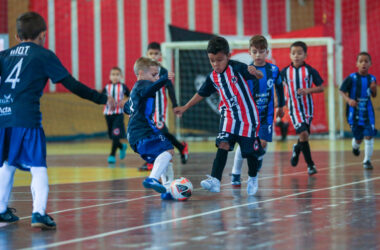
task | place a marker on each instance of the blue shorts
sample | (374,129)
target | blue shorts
(248,145)
(266,132)
(23,147)
(360,131)
(151,147)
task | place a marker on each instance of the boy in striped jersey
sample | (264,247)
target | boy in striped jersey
(298,78)
(115,118)
(263,94)
(154,52)
(239,121)
(357,90)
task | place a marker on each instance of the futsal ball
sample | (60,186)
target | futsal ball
(181,189)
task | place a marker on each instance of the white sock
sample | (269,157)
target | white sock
(160,164)
(354,144)
(6,176)
(168,177)
(40,189)
(368,150)
(238,161)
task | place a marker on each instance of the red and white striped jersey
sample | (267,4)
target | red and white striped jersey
(301,107)
(239,114)
(117,91)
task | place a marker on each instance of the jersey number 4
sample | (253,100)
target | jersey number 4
(13,77)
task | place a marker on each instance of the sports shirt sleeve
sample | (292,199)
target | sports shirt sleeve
(54,68)
(279,89)
(152,88)
(171,92)
(207,88)
(346,85)
(127,93)
(317,79)
(243,70)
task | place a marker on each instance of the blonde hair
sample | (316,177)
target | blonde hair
(144,63)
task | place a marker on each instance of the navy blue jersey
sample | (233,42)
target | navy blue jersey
(239,114)
(358,89)
(141,107)
(263,92)
(24,71)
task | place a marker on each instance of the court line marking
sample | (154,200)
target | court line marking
(148,196)
(119,231)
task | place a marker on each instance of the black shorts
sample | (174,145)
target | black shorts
(303,126)
(116,127)
(248,145)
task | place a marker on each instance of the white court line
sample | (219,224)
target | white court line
(148,196)
(102,235)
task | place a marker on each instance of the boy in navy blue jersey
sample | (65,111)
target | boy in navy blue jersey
(263,94)
(357,90)
(143,135)
(298,78)
(154,52)
(115,118)
(24,71)
(239,115)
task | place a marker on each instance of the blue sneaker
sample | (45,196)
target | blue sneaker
(8,216)
(154,184)
(45,222)
(167,196)
(123,151)
(111,159)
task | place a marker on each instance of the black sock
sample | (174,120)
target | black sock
(115,144)
(306,153)
(253,166)
(298,147)
(174,141)
(219,163)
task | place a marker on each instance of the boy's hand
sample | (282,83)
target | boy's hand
(303,91)
(352,103)
(253,71)
(122,103)
(171,76)
(280,112)
(111,103)
(179,111)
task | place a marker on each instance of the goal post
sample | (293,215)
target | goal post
(171,60)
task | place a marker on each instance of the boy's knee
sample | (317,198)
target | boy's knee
(224,145)
(304,136)
(171,151)
(368,137)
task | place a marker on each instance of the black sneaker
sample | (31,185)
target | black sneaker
(8,216)
(295,156)
(185,153)
(45,222)
(356,151)
(312,170)
(146,167)
(367,165)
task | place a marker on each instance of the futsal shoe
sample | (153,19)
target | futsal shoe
(154,184)
(146,167)
(45,222)
(252,185)
(356,151)
(184,153)
(367,165)
(235,180)
(123,151)
(312,170)
(167,196)
(111,159)
(211,184)
(295,156)
(8,216)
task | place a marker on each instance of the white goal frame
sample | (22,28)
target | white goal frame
(169,47)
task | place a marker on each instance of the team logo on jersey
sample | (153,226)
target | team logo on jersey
(256,145)
(234,79)
(116,131)
(160,125)
(306,79)
(270,83)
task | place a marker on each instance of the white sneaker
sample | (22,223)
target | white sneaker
(211,184)
(252,185)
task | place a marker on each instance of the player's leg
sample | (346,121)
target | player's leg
(236,169)
(6,176)
(296,147)
(305,148)
(369,132)
(110,120)
(181,146)
(358,135)
(166,179)
(119,124)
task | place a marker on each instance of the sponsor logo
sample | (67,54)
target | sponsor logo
(7,99)
(270,83)
(5,111)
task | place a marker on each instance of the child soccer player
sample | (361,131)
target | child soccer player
(143,135)
(24,71)
(239,114)
(357,90)
(154,52)
(263,94)
(298,77)
(115,118)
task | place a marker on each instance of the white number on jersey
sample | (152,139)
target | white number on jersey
(13,76)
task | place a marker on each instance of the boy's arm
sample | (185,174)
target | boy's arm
(317,79)
(347,98)
(194,100)
(253,71)
(373,88)
(154,87)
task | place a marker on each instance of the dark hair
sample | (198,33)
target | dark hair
(364,53)
(300,44)
(154,45)
(218,44)
(259,42)
(29,25)
(117,68)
